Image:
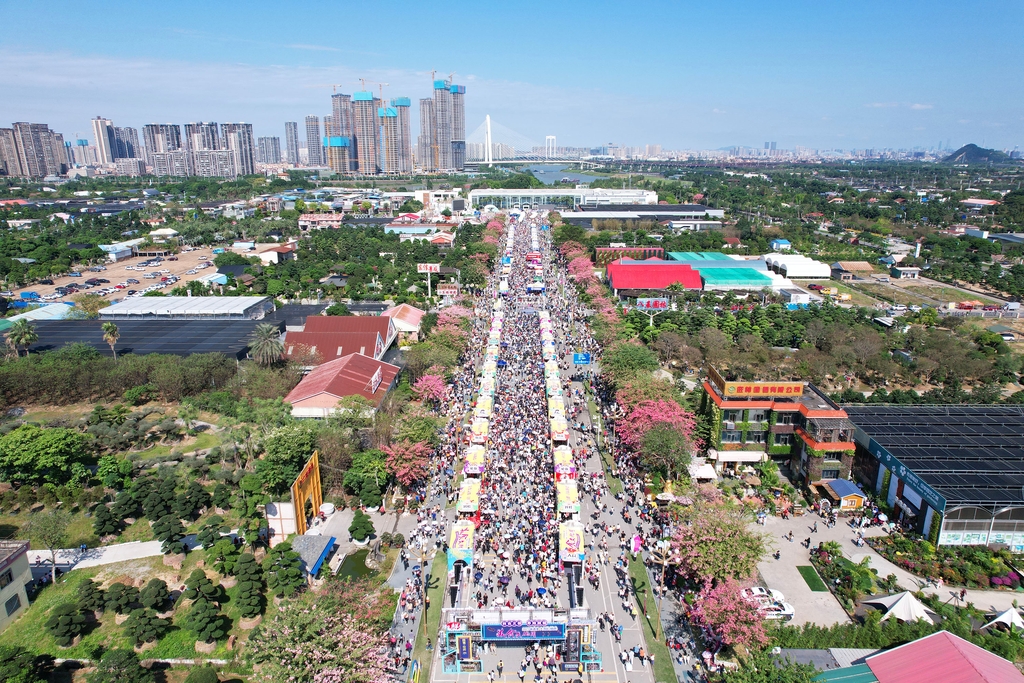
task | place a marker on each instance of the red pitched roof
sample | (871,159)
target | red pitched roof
(942,658)
(333,345)
(347,376)
(654,276)
(410,315)
(732,240)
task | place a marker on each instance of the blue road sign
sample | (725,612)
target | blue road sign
(581,359)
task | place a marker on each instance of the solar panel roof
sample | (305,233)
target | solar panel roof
(969,454)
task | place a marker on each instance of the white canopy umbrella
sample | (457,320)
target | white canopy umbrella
(902,606)
(1010,617)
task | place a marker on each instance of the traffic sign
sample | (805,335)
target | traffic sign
(581,359)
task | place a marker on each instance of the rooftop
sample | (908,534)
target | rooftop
(347,376)
(182,306)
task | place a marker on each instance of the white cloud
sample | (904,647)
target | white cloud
(316,48)
(922,106)
(881,105)
(717,111)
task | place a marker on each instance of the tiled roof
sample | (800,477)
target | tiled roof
(332,345)
(642,276)
(942,658)
(347,376)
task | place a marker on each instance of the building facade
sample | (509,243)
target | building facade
(103,132)
(269,150)
(202,136)
(338,153)
(443,125)
(365,131)
(159,138)
(403,107)
(126,144)
(213,163)
(15,575)
(176,162)
(792,422)
(33,150)
(314,148)
(238,138)
(426,144)
(291,142)
(458,100)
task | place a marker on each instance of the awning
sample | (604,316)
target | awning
(469,495)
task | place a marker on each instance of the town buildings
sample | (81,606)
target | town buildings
(32,150)
(269,150)
(291,142)
(314,146)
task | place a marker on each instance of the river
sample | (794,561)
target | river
(549,174)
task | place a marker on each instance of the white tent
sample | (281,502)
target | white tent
(1010,617)
(902,606)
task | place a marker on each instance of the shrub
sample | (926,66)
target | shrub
(143,626)
(205,620)
(204,674)
(90,597)
(170,530)
(65,623)
(104,522)
(120,666)
(361,526)
(282,570)
(250,586)
(155,594)
(121,598)
(198,585)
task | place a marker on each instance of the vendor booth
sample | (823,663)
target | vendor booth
(568,497)
(476,459)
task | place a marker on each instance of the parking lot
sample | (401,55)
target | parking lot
(129,269)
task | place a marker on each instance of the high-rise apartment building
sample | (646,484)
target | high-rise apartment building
(214,163)
(443,125)
(160,138)
(176,162)
(314,145)
(132,168)
(338,153)
(291,142)
(403,107)
(83,153)
(126,144)
(103,131)
(426,144)
(237,138)
(458,103)
(268,150)
(390,139)
(202,135)
(37,151)
(365,131)
(341,110)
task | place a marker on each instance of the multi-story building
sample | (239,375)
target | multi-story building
(214,163)
(291,142)
(426,144)
(338,153)
(795,422)
(390,139)
(202,135)
(458,99)
(103,131)
(176,162)
(83,153)
(341,111)
(10,161)
(237,137)
(160,138)
(365,131)
(269,150)
(39,151)
(133,168)
(15,575)
(403,107)
(126,144)
(443,124)
(314,146)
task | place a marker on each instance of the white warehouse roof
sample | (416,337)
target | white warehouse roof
(797,265)
(190,307)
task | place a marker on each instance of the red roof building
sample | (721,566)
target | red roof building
(313,348)
(654,274)
(319,392)
(382,325)
(407,319)
(942,658)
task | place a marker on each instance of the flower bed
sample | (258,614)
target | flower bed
(970,566)
(848,580)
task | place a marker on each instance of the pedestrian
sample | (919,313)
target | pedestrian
(501,665)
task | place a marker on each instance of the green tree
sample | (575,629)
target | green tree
(65,623)
(114,472)
(104,522)
(121,598)
(249,596)
(110,335)
(222,496)
(224,554)
(90,597)
(361,527)
(666,449)
(287,450)
(120,666)
(628,360)
(764,667)
(337,309)
(212,531)
(265,344)
(33,454)
(282,569)
(202,674)
(155,595)
(51,530)
(18,665)
(170,531)
(205,620)
(22,334)
(143,626)
(198,585)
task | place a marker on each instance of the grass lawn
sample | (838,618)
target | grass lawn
(614,485)
(435,591)
(201,441)
(945,294)
(856,298)
(663,670)
(814,581)
(886,293)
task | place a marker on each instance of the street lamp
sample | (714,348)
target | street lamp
(662,555)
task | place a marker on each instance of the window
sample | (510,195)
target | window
(6,579)
(785,419)
(830,474)
(730,436)
(783,439)
(731,415)
(755,437)
(758,416)
(13,605)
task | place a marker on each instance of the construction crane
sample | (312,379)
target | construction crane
(327,85)
(362,82)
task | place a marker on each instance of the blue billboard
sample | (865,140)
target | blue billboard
(529,630)
(581,359)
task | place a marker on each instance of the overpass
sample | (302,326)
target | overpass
(534,198)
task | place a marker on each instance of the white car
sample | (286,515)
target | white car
(758,593)
(777,611)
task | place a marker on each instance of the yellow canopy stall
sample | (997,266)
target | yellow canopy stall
(571,547)
(469,495)
(478,430)
(476,459)
(460,544)
(568,497)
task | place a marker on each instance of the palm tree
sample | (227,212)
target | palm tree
(22,333)
(265,344)
(110,335)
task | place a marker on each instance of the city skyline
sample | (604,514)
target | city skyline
(673,74)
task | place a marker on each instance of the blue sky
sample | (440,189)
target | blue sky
(686,75)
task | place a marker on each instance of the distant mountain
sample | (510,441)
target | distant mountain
(972,154)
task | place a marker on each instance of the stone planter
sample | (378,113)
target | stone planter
(97,615)
(120,618)
(165,615)
(175,560)
(229,582)
(206,648)
(364,542)
(278,600)
(247,624)
(370,511)
(145,646)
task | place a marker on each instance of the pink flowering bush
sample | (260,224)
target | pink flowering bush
(581,269)
(646,414)
(430,388)
(721,609)
(408,461)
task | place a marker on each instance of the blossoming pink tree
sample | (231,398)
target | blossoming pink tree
(408,460)
(712,541)
(581,269)
(430,388)
(724,611)
(647,414)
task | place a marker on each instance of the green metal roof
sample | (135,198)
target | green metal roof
(698,256)
(859,673)
(735,276)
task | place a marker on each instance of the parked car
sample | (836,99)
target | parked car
(6,293)
(74,274)
(132,281)
(172,258)
(759,593)
(815,287)
(777,611)
(46,281)
(202,258)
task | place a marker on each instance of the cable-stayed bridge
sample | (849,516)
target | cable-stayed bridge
(494,143)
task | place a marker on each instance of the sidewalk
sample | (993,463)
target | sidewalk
(75,558)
